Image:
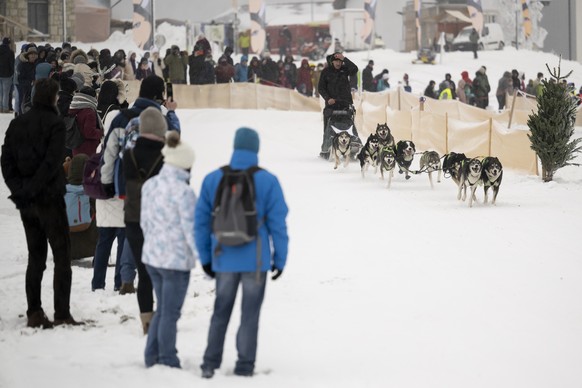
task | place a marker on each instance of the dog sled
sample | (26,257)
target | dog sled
(341,120)
(426,56)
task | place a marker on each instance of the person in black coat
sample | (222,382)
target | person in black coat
(368,78)
(6,74)
(201,71)
(334,86)
(26,76)
(32,166)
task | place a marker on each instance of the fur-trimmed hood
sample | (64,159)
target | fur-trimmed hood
(79,56)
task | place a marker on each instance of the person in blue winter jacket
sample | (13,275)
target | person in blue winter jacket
(169,251)
(237,265)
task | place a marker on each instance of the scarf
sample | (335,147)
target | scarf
(84,101)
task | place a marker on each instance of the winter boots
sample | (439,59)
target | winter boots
(39,319)
(127,288)
(68,321)
(146,318)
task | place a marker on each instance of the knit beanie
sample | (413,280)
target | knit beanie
(76,168)
(246,139)
(152,87)
(42,70)
(152,121)
(176,152)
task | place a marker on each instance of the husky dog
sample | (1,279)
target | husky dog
(405,150)
(387,162)
(341,147)
(470,177)
(491,174)
(452,166)
(368,156)
(430,161)
(385,138)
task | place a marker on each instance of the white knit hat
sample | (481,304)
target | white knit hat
(176,152)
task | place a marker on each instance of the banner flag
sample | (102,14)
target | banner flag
(257,12)
(527,26)
(476,13)
(143,24)
(367,33)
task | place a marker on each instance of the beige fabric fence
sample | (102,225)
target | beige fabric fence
(443,126)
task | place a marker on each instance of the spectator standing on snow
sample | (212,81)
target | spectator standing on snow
(474,39)
(238,265)
(143,69)
(241,70)
(290,71)
(244,42)
(504,87)
(429,91)
(151,94)
(34,174)
(464,90)
(368,78)
(141,163)
(6,74)
(304,83)
(481,88)
(224,71)
(169,250)
(406,83)
(176,62)
(84,108)
(109,212)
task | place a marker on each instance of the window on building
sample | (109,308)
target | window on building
(38,15)
(2,7)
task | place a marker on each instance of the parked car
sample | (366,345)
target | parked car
(491,38)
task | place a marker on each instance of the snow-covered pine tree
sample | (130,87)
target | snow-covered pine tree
(552,127)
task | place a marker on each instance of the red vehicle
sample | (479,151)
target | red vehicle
(307,40)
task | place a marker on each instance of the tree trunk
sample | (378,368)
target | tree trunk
(547,176)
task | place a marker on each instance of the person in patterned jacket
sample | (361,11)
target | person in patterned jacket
(169,250)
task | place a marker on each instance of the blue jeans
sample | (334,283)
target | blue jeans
(170,287)
(5,85)
(127,266)
(246,339)
(102,253)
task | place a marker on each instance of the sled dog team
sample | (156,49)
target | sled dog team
(383,153)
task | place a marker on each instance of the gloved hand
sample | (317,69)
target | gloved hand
(276,273)
(208,270)
(109,189)
(20,200)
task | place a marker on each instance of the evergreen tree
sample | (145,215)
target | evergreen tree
(552,126)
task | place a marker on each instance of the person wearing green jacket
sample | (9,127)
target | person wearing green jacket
(177,65)
(481,88)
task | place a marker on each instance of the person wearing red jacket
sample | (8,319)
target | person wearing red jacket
(84,106)
(224,71)
(304,82)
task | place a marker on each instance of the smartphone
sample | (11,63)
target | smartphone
(169,91)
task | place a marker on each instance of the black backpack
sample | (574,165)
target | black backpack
(73,136)
(234,213)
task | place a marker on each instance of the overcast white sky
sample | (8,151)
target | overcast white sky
(389,23)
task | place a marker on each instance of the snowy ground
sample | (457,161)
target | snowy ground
(405,287)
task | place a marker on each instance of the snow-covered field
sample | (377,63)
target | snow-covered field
(405,287)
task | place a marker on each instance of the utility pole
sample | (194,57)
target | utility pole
(235,24)
(64,20)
